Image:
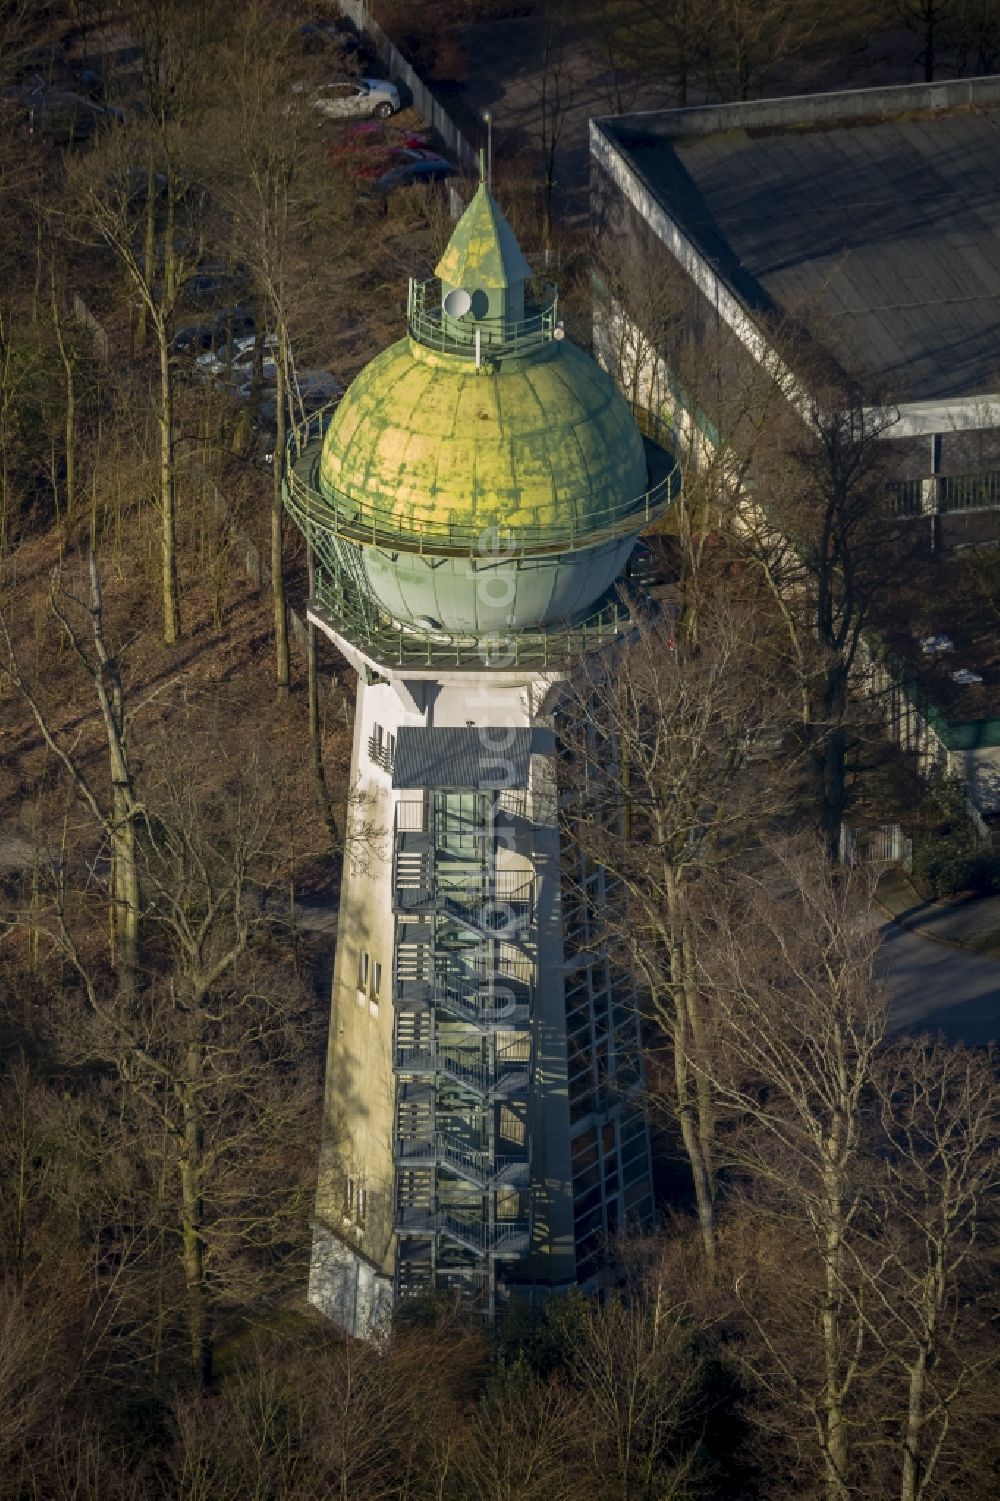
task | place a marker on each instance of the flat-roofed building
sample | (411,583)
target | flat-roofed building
(852,236)
(868,220)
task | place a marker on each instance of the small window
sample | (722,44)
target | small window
(359,1218)
(363,970)
(349,1199)
(376,985)
(382,747)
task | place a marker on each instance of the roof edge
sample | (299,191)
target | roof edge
(797,110)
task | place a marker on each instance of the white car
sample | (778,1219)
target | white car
(357,98)
(212,363)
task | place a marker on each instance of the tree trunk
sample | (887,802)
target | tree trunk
(277,513)
(149,247)
(910,1485)
(171,604)
(124,866)
(70,423)
(687,1067)
(315,737)
(834,755)
(199,1330)
(835,1446)
(686,1114)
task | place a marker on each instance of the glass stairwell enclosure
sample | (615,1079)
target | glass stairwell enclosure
(464,965)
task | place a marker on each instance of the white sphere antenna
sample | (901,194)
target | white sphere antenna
(457,303)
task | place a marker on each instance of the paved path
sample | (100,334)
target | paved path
(941,989)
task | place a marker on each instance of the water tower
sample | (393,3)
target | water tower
(472,503)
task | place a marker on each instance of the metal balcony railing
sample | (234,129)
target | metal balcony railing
(412,816)
(490,900)
(396,647)
(502,1238)
(502,1075)
(374,524)
(477,1167)
(497,336)
(506,1006)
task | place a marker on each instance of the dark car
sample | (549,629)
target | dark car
(399,156)
(414,175)
(209,286)
(59,116)
(204,338)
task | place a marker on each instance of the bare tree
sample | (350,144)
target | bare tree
(974,32)
(156,238)
(930,1312)
(119,823)
(668,782)
(816,518)
(557,89)
(927,19)
(641,1384)
(793,984)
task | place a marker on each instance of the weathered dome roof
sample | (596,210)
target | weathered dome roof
(425,438)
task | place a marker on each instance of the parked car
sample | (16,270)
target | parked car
(357,153)
(58,115)
(212,363)
(398,156)
(354,98)
(207,341)
(413,175)
(367,135)
(212,283)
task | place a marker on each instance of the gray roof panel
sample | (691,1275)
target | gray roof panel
(476,759)
(889,226)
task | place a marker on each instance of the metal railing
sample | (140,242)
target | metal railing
(944,494)
(508,1237)
(490,900)
(373,525)
(411,816)
(403,648)
(905,497)
(506,1005)
(475,1165)
(500,1075)
(380,753)
(969,492)
(428,324)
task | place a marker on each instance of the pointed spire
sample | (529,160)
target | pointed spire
(483,251)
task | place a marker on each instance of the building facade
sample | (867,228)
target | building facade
(472,504)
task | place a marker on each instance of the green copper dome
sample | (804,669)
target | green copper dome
(482,475)
(428,439)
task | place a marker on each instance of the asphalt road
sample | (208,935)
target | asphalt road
(939,989)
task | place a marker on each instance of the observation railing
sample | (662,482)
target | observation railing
(394,646)
(372,525)
(430,326)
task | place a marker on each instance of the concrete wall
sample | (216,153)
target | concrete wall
(819,109)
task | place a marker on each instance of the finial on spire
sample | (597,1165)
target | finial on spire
(482,164)
(488,122)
